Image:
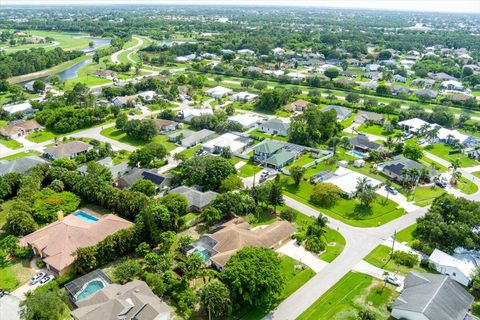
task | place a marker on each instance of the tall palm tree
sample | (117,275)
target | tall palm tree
(345,142)
(423,129)
(432,134)
(389,143)
(398,136)
(333,142)
(454,165)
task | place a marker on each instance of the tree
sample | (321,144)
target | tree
(412,151)
(297,173)
(211,215)
(232,182)
(38,86)
(276,194)
(331,73)
(333,142)
(19,223)
(167,242)
(234,203)
(326,194)
(353,98)
(454,165)
(47,203)
(313,127)
(288,214)
(43,305)
(176,204)
(215,300)
(121,121)
(144,186)
(365,192)
(143,249)
(127,270)
(253,276)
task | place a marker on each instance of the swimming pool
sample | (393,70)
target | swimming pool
(85,216)
(356,153)
(204,253)
(89,289)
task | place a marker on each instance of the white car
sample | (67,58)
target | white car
(46,279)
(37,277)
(393,280)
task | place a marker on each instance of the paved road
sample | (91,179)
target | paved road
(139,43)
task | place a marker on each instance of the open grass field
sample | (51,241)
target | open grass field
(354,292)
(380,257)
(294,279)
(62,40)
(406,235)
(349,211)
(442,150)
(118,135)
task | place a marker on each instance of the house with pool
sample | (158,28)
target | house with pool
(55,243)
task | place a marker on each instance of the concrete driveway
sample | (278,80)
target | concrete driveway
(367,268)
(300,254)
(398,198)
(10,308)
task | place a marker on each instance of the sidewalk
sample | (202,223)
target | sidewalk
(300,254)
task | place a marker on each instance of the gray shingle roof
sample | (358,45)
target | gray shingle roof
(276,124)
(364,142)
(438,297)
(342,112)
(400,163)
(194,197)
(20,165)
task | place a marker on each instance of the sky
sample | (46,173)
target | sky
(451,6)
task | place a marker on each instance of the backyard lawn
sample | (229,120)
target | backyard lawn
(119,135)
(376,130)
(10,143)
(294,279)
(380,257)
(20,155)
(442,150)
(354,292)
(349,211)
(303,160)
(258,133)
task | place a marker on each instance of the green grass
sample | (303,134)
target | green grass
(120,136)
(442,150)
(349,211)
(248,170)
(466,186)
(406,235)
(21,155)
(260,134)
(190,152)
(41,136)
(14,273)
(380,258)
(65,42)
(354,292)
(294,279)
(425,195)
(10,143)
(376,130)
(303,160)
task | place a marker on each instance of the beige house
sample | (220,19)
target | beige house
(56,242)
(20,128)
(299,105)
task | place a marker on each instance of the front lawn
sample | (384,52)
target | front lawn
(376,130)
(406,235)
(260,134)
(353,293)
(21,155)
(120,136)
(424,196)
(294,279)
(190,152)
(14,273)
(10,143)
(248,170)
(466,186)
(349,211)
(443,150)
(380,258)
(41,136)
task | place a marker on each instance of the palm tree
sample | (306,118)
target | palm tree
(423,129)
(333,142)
(454,165)
(389,143)
(398,136)
(345,142)
(388,185)
(432,134)
(424,174)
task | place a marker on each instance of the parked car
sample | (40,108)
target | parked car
(46,279)
(440,183)
(393,280)
(391,190)
(37,277)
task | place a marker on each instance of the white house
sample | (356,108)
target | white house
(184,59)
(246,120)
(445,135)
(228,140)
(459,270)
(276,73)
(347,179)
(275,127)
(246,52)
(413,125)
(243,96)
(218,92)
(188,113)
(296,75)
(21,107)
(147,95)
(452,85)
(278,52)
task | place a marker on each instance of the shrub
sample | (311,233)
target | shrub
(405,258)
(127,270)
(315,244)
(326,194)
(288,214)
(425,263)
(142,249)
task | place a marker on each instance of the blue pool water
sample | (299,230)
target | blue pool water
(91,288)
(85,216)
(357,154)
(204,253)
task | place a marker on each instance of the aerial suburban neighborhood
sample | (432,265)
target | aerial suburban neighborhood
(249,161)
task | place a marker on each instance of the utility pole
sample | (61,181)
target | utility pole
(393,242)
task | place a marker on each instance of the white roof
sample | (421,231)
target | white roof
(453,83)
(278,51)
(13,108)
(444,259)
(443,134)
(347,179)
(295,75)
(274,72)
(219,90)
(147,94)
(246,51)
(414,123)
(195,112)
(246,120)
(244,96)
(227,140)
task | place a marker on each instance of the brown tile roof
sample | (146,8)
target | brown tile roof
(298,105)
(237,234)
(459,97)
(61,238)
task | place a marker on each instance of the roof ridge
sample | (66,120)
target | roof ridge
(435,294)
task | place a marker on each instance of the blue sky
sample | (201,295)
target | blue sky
(454,6)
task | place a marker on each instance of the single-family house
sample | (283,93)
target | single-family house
(247,120)
(124,101)
(413,125)
(399,78)
(24,107)
(396,167)
(235,143)
(363,144)
(276,127)
(19,128)
(452,85)
(56,242)
(278,51)
(243,96)
(218,92)
(347,180)
(398,89)
(133,300)
(187,58)
(247,52)
(429,296)
(188,113)
(426,93)
(117,170)
(218,246)
(448,136)
(197,200)
(342,112)
(460,97)
(188,138)
(275,73)
(296,76)
(459,270)
(440,76)
(373,67)
(20,165)
(367,116)
(299,105)
(373,75)
(161,181)
(266,149)
(165,125)
(67,150)
(424,83)
(147,95)
(370,85)
(105,74)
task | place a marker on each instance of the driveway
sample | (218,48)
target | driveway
(10,308)
(367,268)
(398,198)
(300,254)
